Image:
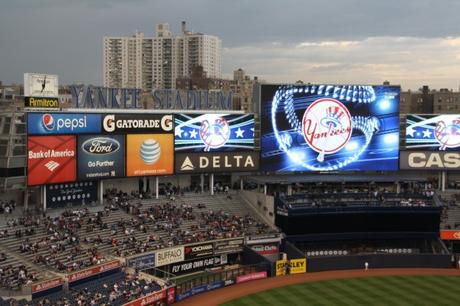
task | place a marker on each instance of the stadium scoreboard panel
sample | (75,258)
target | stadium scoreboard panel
(329,128)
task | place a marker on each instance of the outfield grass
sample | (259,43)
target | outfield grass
(378,290)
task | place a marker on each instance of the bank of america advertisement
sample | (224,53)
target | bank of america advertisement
(149,154)
(433,132)
(329,127)
(101,156)
(214,132)
(51,159)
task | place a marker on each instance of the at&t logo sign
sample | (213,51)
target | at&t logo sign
(326,126)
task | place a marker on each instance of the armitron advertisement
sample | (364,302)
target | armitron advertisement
(101,156)
(63,123)
(137,123)
(51,159)
(216,162)
(433,132)
(41,102)
(329,127)
(149,154)
(214,133)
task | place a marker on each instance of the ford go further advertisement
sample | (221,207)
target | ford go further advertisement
(101,156)
(63,123)
(214,132)
(329,127)
(433,132)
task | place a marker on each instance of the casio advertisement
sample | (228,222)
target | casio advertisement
(101,156)
(423,160)
(137,123)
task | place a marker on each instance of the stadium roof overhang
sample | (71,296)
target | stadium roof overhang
(334,178)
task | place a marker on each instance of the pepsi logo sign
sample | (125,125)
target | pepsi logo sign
(100,146)
(214,134)
(51,124)
(326,126)
(48,122)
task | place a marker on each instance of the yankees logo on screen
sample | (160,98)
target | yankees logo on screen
(448,134)
(326,126)
(214,134)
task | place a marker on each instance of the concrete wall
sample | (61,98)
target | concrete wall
(264,205)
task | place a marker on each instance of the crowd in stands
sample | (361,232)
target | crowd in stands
(7,207)
(13,277)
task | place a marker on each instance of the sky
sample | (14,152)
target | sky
(407,42)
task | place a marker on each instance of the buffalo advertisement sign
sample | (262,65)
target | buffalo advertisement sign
(141,262)
(198,250)
(198,264)
(149,154)
(216,162)
(214,132)
(148,299)
(329,127)
(101,156)
(47,285)
(429,160)
(228,246)
(137,123)
(433,132)
(51,159)
(63,123)
(450,235)
(108,266)
(59,195)
(169,256)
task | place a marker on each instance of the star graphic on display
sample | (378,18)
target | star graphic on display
(239,133)
(426,133)
(178,132)
(193,134)
(410,131)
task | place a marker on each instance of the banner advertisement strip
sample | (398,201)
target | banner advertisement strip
(149,299)
(280,268)
(199,289)
(298,265)
(94,271)
(48,284)
(450,235)
(228,246)
(199,250)
(428,160)
(251,277)
(141,262)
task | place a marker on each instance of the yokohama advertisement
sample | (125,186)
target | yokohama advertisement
(199,250)
(51,159)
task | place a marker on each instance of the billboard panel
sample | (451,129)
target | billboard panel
(429,160)
(137,123)
(213,132)
(216,162)
(101,156)
(59,195)
(51,159)
(149,154)
(329,127)
(63,123)
(41,85)
(433,132)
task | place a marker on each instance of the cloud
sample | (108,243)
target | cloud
(408,61)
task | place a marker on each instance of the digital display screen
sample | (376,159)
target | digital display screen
(329,128)
(433,132)
(214,132)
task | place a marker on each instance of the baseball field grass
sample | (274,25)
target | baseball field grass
(376,290)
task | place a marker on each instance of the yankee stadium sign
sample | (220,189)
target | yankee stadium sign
(105,97)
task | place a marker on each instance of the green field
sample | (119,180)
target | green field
(378,290)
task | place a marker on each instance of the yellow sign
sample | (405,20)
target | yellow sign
(281,267)
(298,265)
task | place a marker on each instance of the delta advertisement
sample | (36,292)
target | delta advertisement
(214,132)
(216,162)
(433,132)
(63,123)
(101,156)
(329,128)
(149,154)
(51,159)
